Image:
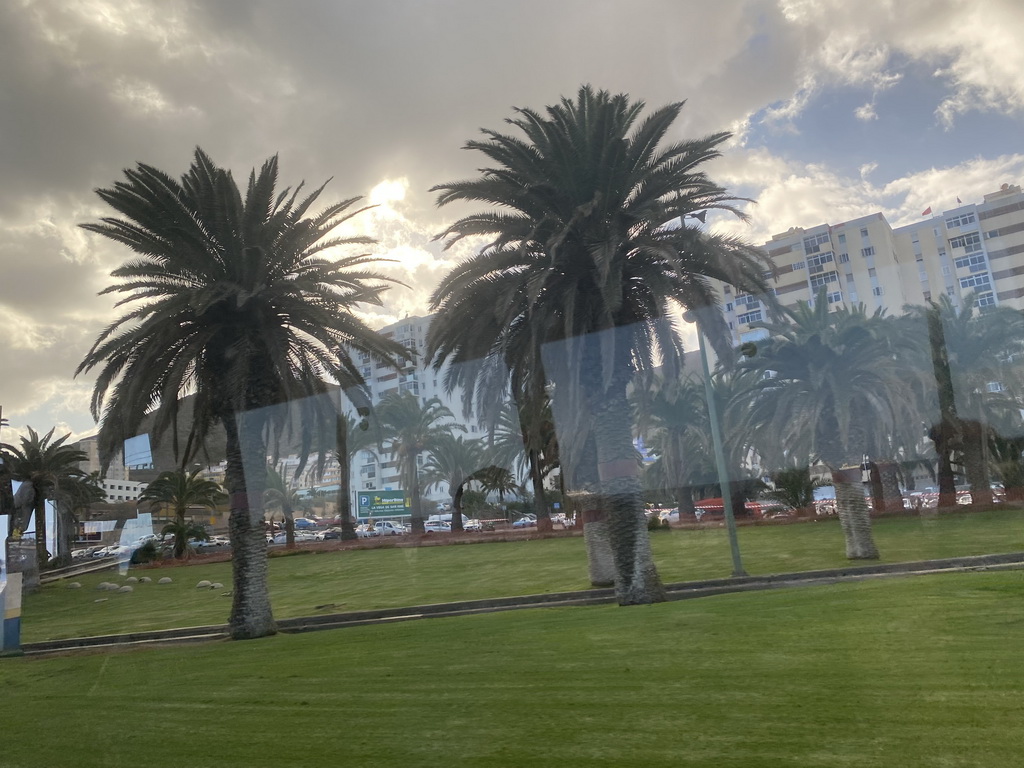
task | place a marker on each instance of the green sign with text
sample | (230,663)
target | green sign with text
(376,504)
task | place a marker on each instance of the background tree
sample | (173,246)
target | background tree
(794,488)
(179,491)
(410,429)
(588,248)
(281,495)
(453,461)
(832,387)
(43,463)
(184,532)
(236,301)
(76,493)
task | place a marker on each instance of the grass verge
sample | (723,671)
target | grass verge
(910,672)
(333,582)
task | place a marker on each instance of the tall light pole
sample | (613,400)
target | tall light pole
(716,439)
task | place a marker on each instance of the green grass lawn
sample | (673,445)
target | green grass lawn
(908,672)
(360,579)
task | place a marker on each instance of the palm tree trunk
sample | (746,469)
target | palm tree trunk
(65,522)
(415,502)
(975,465)
(637,579)
(42,554)
(585,500)
(540,503)
(892,498)
(245,478)
(348,528)
(854,517)
(684,503)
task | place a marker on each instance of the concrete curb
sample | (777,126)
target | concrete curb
(685,590)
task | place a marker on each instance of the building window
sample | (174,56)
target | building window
(813,243)
(986,299)
(844,258)
(960,221)
(995,386)
(993,233)
(819,260)
(927,295)
(749,317)
(975,281)
(728,306)
(745,299)
(877,291)
(869,251)
(798,265)
(819,280)
(971,243)
(872,272)
(835,297)
(849,279)
(842,238)
(969,262)
(864,232)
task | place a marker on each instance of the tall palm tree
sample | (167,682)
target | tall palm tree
(587,263)
(178,491)
(411,428)
(43,463)
(970,350)
(453,461)
(235,301)
(833,389)
(75,494)
(352,435)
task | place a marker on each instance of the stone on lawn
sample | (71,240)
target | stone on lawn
(126,588)
(132,580)
(216,585)
(165,580)
(75,585)
(204,584)
(144,580)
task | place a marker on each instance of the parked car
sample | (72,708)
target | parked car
(389,528)
(437,526)
(527,521)
(329,535)
(305,524)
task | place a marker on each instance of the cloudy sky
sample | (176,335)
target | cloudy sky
(839,109)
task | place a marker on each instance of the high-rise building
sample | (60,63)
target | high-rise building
(971,248)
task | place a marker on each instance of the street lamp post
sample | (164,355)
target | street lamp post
(716,439)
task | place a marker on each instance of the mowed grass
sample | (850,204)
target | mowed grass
(330,582)
(909,671)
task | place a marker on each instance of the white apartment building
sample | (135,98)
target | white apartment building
(971,248)
(373,472)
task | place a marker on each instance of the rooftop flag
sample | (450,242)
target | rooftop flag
(927,211)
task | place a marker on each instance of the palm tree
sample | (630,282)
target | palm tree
(673,416)
(453,461)
(183,531)
(180,491)
(970,361)
(43,463)
(794,488)
(351,437)
(279,494)
(833,389)
(235,302)
(75,494)
(588,260)
(410,429)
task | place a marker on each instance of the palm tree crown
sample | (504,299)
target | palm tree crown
(47,465)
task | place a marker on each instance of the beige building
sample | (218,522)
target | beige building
(971,248)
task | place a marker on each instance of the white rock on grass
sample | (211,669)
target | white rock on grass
(105,585)
(216,585)
(132,580)
(101,600)
(165,580)
(144,580)
(204,584)
(75,585)
(126,588)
